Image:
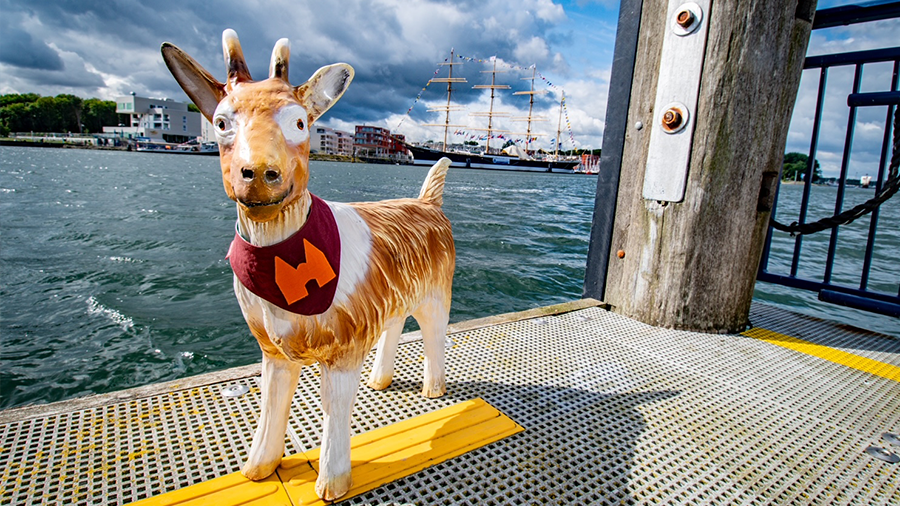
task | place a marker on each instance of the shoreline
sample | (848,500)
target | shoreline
(72,145)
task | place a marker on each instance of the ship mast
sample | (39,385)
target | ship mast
(559,125)
(530,118)
(490,114)
(449,107)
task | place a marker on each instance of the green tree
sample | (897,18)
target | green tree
(69,113)
(794,168)
(98,114)
(30,112)
(18,116)
(47,117)
(15,98)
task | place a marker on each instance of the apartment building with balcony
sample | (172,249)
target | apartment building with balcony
(377,142)
(159,119)
(328,141)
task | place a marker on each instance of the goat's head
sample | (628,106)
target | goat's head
(262,127)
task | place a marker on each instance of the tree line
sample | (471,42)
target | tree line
(794,168)
(30,112)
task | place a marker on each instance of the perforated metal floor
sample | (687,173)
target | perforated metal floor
(615,412)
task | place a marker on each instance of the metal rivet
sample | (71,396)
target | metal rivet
(882,454)
(639,125)
(892,439)
(235,391)
(620,253)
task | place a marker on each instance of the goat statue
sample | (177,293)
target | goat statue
(317,281)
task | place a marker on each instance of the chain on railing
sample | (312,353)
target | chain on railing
(890,187)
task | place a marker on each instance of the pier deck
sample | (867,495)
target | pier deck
(614,412)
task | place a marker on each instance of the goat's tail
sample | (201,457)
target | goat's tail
(433,188)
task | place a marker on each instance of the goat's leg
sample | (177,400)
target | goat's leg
(279,381)
(383,368)
(433,316)
(339,388)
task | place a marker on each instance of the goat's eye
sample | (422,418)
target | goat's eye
(222,124)
(292,119)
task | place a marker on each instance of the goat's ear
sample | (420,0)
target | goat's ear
(324,88)
(200,85)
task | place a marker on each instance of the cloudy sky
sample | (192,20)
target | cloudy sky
(109,48)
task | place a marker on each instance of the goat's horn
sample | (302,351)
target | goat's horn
(234,57)
(281,56)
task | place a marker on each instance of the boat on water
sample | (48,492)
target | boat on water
(469,160)
(590,164)
(511,157)
(192,147)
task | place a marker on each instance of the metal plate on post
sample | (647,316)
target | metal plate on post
(672,128)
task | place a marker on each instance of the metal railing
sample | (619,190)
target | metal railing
(843,291)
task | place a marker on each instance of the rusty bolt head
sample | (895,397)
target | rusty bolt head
(620,253)
(685,18)
(672,119)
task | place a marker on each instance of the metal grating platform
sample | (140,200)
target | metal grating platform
(615,412)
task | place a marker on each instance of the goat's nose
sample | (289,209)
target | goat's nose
(270,175)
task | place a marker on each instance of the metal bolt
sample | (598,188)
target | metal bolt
(672,119)
(235,391)
(882,454)
(685,18)
(620,253)
(893,439)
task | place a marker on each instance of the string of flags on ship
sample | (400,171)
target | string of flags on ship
(436,72)
(483,137)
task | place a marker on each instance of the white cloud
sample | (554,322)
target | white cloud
(532,50)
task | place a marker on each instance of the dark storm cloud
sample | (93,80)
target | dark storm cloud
(84,80)
(19,48)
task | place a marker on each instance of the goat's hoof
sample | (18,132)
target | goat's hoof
(258,472)
(379,383)
(331,489)
(434,391)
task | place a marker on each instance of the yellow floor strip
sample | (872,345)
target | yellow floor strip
(858,362)
(378,457)
(229,490)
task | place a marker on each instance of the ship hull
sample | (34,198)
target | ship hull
(423,156)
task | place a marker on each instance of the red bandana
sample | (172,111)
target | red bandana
(283,273)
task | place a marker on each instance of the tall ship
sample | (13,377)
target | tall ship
(512,157)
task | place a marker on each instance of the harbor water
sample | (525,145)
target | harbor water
(112,268)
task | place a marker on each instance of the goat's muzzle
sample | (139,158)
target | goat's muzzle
(261,190)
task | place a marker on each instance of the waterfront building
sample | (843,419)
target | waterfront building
(377,142)
(159,119)
(328,141)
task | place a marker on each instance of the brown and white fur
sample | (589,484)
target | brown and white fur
(397,256)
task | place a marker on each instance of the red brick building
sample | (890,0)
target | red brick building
(377,142)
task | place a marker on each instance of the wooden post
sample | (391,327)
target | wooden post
(692,264)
